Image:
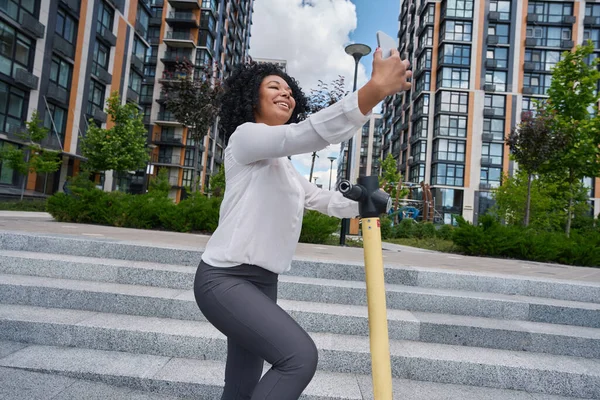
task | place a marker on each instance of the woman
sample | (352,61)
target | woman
(261,219)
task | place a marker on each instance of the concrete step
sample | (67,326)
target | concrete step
(502,369)
(413,298)
(410,276)
(163,377)
(314,317)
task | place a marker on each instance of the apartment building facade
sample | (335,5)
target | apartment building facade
(477,65)
(63,58)
(366,151)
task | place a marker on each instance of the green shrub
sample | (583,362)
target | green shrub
(490,238)
(386,227)
(424,230)
(404,229)
(317,227)
(25,205)
(445,232)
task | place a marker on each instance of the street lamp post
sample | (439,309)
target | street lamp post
(332,159)
(357,51)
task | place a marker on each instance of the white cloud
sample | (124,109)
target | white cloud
(312,40)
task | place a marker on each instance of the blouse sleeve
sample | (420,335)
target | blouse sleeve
(253,142)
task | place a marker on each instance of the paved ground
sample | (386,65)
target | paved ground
(393,254)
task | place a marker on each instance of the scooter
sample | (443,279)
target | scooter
(373,202)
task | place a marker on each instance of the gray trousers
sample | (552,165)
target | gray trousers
(241,303)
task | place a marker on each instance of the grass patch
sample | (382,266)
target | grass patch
(25,205)
(334,240)
(436,244)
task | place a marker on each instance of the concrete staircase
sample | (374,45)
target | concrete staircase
(124,315)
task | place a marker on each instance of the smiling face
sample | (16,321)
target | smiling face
(275,101)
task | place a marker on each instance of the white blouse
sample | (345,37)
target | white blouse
(265,196)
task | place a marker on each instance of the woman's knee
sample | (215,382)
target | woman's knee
(302,361)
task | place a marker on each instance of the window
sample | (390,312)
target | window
(203,57)
(139,48)
(66,26)
(494,127)
(449,150)
(60,72)
(426,39)
(448,174)
(453,102)
(529,104)
(592,10)
(497,78)
(420,128)
(207,21)
(418,151)
(491,176)
(458,8)
(205,40)
(428,16)
(550,12)
(15,8)
(538,83)
(543,60)
(423,82)
(453,77)
(153,34)
(150,71)
(502,7)
(549,36)
(450,125)
(212,4)
(417,173)
(422,105)
(495,102)
(457,31)
(500,54)
(593,35)
(135,81)
(100,58)
(13,107)
(424,62)
(96,96)
(189,156)
(187,178)
(143,18)
(15,50)
(56,121)
(106,16)
(501,31)
(493,152)
(455,54)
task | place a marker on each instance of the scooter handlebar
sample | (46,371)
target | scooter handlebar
(350,191)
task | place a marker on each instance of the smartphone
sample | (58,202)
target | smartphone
(387,43)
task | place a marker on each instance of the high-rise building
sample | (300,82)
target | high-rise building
(63,58)
(477,65)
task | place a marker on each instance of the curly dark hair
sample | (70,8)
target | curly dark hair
(241,96)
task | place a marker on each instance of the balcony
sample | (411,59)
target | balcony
(140,29)
(167,139)
(491,63)
(33,26)
(488,137)
(567,44)
(146,99)
(494,16)
(529,66)
(98,114)
(489,87)
(132,96)
(168,160)
(57,93)
(485,186)
(185,4)
(64,47)
(155,19)
(107,36)
(101,74)
(528,90)
(182,19)
(486,161)
(180,39)
(489,112)
(592,21)
(167,119)
(492,40)
(415,138)
(172,57)
(137,63)
(72,5)
(531,42)
(26,79)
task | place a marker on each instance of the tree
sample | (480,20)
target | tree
(32,158)
(194,100)
(324,96)
(217,183)
(571,96)
(392,181)
(533,144)
(120,148)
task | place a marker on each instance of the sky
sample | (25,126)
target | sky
(311,37)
